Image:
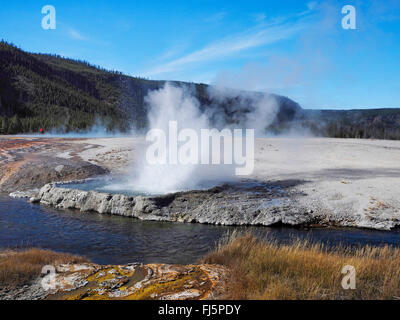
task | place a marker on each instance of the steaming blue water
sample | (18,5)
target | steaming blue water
(107,184)
(111,239)
(118,184)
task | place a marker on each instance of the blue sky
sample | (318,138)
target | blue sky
(293,47)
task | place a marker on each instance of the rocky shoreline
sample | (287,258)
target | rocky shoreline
(237,204)
(229,204)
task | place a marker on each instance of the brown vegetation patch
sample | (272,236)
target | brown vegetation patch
(268,270)
(20,267)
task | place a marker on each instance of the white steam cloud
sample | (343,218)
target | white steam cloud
(98,130)
(229,109)
(172,103)
(246,109)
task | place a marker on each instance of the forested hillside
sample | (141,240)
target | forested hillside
(359,124)
(366,124)
(51,92)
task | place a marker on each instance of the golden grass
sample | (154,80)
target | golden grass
(264,269)
(20,267)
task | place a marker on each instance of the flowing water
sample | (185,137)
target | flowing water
(117,240)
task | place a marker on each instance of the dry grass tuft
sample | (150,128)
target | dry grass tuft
(264,269)
(20,267)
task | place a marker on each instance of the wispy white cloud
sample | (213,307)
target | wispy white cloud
(230,46)
(74,34)
(173,51)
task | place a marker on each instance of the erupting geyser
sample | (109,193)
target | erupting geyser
(177,107)
(176,104)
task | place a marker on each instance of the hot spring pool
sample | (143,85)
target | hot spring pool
(106,184)
(121,185)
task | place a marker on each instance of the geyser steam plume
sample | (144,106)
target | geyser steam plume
(173,103)
(247,109)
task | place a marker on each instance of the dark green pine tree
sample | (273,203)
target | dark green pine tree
(15,125)
(3,125)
